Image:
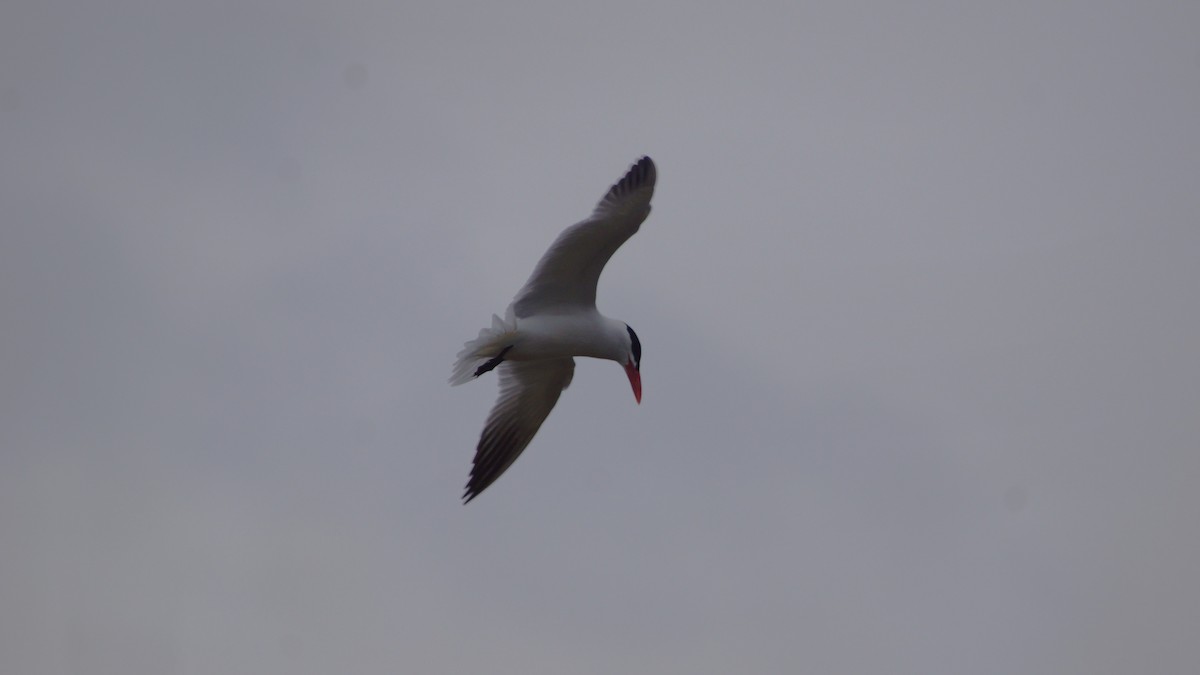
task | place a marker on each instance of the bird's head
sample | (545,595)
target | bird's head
(633,363)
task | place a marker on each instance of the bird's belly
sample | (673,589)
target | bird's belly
(554,337)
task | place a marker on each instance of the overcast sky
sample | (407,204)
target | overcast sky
(918,302)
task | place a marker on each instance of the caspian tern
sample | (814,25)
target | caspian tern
(552,319)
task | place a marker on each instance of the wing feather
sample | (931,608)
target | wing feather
(528,392)
(567,274)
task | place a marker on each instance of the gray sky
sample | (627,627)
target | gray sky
(917,298)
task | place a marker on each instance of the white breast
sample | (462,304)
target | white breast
(549,336)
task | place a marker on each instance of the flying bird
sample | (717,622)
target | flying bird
(553,319)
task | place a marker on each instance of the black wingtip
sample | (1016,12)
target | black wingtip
(642,174)
(471,490)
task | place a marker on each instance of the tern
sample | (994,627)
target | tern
(553,319)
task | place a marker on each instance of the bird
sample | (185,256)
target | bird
(551,320)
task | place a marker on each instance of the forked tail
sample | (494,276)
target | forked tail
(485,349)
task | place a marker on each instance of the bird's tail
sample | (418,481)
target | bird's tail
(488,345)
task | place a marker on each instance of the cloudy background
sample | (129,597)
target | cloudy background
(918,300)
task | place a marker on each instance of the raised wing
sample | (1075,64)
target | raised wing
(528,392)
(566,276)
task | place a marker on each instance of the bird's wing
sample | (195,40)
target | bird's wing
(528,392)
(566,276)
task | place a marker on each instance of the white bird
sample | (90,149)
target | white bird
(552,319)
